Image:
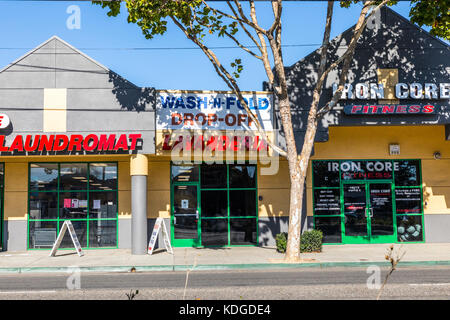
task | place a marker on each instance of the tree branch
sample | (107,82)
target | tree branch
(348,55)
(232,38)
(265,56)
(234,17)
(244,28)
(231,83)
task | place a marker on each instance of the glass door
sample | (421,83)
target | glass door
(381,212)
(356,227)
(368,213)
(185,215)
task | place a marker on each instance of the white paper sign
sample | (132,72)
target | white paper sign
(82,204)
(67,225)
(159,225)
(96,204)
(75,203)
(184,204)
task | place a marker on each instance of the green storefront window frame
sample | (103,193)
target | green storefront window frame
(60,221)
(228,217)
(393,187)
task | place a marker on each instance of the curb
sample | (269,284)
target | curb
(212,267)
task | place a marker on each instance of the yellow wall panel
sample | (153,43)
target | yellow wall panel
(418,142)
(16,176)
(436,200)
(309,202)
(159,175)
(433,172)
(279,180)
(389,78)
(275,202)
(15,205)
(124,175)
(158,204)
(124,204)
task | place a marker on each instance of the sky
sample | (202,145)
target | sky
(119,45)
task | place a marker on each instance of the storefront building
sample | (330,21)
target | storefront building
(379,170)
(70,131)
(80,142)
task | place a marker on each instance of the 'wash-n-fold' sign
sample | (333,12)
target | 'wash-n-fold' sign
(218,111)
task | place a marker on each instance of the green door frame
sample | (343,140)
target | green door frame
(194,242)
(198,241)
(369,238)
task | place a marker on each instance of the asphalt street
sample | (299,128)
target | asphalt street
(326,283)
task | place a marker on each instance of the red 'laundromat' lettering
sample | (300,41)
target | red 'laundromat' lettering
(106,143)
(61,142)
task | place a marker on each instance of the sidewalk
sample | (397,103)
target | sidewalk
(121,260)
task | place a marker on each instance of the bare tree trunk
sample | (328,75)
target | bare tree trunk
(296,192)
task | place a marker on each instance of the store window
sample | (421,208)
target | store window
(226,203)
(358,201)
(85,193)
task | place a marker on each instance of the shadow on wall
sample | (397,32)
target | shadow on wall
(435,203)
(130,96)
(272,225)
(389,41)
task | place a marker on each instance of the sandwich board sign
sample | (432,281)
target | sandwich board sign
(159,226)
(67,225)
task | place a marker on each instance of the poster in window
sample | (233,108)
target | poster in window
(75,203)
(185,204)
(82,204)
(327,202)
(96,204)
(408,200)
(67,203)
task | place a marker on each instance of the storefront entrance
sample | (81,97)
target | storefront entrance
(368,201)
(368,212)
(213,205)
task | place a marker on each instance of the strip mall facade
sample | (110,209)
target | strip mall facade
(80,142)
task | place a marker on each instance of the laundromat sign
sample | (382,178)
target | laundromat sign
(217,111)
(73,142)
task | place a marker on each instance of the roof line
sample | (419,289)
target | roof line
(26,54)
(55,37)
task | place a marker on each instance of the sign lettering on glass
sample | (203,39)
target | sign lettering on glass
(326,201)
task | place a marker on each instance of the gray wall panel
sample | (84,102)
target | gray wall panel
(75,62)
(26,79)
(35,62)
(15,235)
(437,227)
(132,99)
(124,241)
(88,79)
(110,121)
(21,98)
